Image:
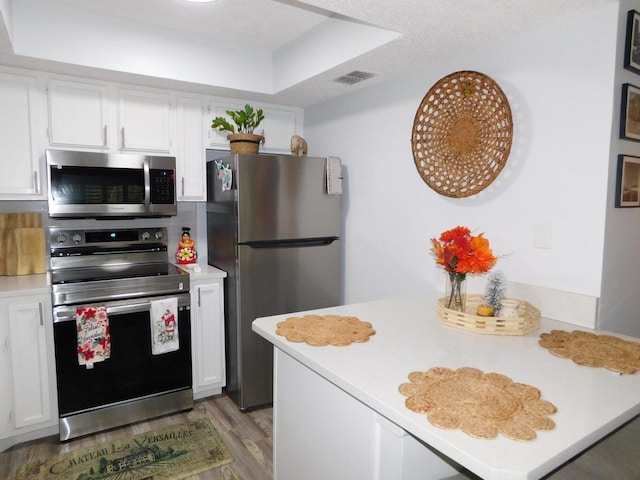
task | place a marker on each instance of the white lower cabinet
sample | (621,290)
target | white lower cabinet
(27,371)
(349,439)
(207,337)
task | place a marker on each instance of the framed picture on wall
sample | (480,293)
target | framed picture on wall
(632,43)
(630,113)
(628,181)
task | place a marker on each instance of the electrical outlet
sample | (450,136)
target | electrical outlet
(542,235)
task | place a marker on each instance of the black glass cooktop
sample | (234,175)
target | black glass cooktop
(114,272)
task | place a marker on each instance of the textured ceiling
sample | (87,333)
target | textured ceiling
(430,30)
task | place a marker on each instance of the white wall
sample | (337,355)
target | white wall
(620,298)
(6,13)
(559,81)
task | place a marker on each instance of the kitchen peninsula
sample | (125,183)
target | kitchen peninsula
(338,412)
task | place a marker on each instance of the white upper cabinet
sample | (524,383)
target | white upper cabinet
(218,108)
(19,132)
(42,111)
(145,121)
(79,116)
(278,126)
(103,117)
(190,158)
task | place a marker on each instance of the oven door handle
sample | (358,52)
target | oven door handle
(68,314)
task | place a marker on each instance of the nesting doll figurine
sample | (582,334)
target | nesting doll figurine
(186,252)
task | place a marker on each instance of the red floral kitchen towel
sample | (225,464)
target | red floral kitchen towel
(94,341)
(164,326)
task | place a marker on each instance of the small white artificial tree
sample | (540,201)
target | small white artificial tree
(495,290)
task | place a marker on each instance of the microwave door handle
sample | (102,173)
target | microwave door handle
(147,185)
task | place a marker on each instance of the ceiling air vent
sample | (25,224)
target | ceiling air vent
(354,77)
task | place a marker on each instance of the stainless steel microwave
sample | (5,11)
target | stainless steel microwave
(106,185)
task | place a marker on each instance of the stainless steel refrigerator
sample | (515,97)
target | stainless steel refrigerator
(274,227)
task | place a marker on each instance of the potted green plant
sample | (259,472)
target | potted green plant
(241,137)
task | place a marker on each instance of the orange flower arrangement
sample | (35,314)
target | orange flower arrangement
(460,253)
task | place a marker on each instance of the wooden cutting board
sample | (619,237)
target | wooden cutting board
(20,220)
(22,244)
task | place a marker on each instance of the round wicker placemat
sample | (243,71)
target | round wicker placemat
(462,134)
(591,350)
(480,404)
(325,330)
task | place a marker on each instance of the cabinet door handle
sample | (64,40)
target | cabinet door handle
(198,297)
(122,136)
(36,184)
(41,315)
(104,136)
(182,186)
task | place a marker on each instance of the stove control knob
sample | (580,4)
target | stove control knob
(61,238)
(158,235)
(76,238)
(145,235)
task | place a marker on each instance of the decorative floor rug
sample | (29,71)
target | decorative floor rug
(171,453)
(591,350)
(480,404)
(325,330)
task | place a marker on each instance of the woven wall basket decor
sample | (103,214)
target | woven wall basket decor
(462,134)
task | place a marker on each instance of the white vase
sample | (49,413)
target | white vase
(510,309)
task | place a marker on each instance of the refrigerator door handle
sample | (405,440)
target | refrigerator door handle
(295,243)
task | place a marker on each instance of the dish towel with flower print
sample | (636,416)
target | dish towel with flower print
(164,326)
(94,340)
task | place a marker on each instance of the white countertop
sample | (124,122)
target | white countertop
(206,272)
(12,286)
(591,402)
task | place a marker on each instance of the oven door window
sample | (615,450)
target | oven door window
(131,372)
(95,185)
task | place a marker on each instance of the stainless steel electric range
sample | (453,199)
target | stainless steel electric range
(124,271)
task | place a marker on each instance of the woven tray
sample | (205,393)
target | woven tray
(462,134)
(527,322)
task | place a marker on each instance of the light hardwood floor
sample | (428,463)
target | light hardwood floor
(616,457)
(249,437)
